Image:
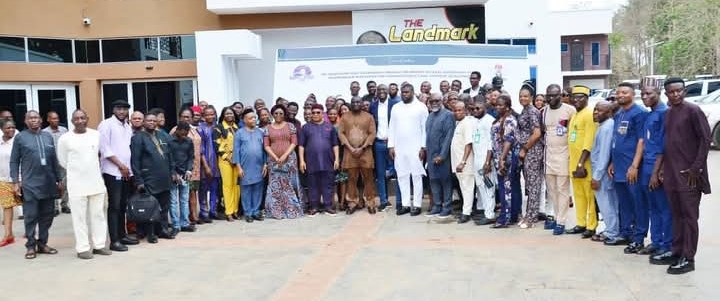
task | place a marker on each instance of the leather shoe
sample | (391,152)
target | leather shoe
(415,211)
(190,228)
(249,219)
(576,230)
(166,235)
(208,221)
(129,241)
(588,234)
(633,248)
(681,266)
(350,211)
(65,210)
(666,258)
(463,219)
(648,250)
(103,251)
(152,239)
(484,221)
(403,211)
(618,241)
(45,249)
(118,247)
(258,217)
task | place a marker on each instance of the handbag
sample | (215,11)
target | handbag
(143,208)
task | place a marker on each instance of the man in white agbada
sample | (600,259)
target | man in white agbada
(406,145)
(484,171)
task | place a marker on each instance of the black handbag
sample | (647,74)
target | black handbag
(143,208)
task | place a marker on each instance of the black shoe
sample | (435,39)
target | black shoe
(350,211)
(199,222)
(499,226)
(681,266)
(118,247)
(463,219)
(218,218)
(666,258)
(588,234)
(616,242)
(188,229)
(484,221)
(166,235)
(258,217)
(129,241)
(648,250)
(152,239)
(65,210)
(415,211)
(57,212)
(542,216)
(633,248)
(403,211)
(576,230)
(249,219)
(382,207)
(208,221)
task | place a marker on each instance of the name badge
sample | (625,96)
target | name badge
(622,129)
(648,135)
(43,161)
(560,130)
(573,135)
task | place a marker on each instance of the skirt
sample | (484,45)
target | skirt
(8,199)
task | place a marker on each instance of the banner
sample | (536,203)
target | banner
(454,24)
(326,71)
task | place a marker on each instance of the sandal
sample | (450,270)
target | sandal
(30,254)
(598,237)
(46,250)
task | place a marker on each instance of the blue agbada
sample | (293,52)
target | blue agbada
(250,154)
(629,126)
(439,127)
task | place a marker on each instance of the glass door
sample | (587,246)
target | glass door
(17,99)
(56,98)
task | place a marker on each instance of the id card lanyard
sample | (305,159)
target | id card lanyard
(41,146)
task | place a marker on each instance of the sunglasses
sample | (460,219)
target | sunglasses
(316,112)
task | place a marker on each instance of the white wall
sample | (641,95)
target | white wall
(255,78)
(279,6)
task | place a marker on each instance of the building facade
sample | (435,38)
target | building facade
(62,55)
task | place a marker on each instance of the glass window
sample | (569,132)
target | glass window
(53,100)
(16,102)
(113,92)
(176,48)
(499,41)
(128,50)
(533,72)
(50,50)
(712,86)
(693,90)
(87,51)
(12,49)
(595,54)
(169,96)
(563,47)
(530,43)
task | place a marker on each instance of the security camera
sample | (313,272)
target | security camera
(532,23)
(87,21)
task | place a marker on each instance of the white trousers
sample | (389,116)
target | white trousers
(486,196)
(417,189)
(89,210)
(467,188)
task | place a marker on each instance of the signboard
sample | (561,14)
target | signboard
(455,24)
(327,71)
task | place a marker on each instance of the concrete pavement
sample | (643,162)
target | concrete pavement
(361,257)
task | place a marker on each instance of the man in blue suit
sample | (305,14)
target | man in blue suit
(381,110)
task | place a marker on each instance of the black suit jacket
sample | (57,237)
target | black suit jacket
(151,167)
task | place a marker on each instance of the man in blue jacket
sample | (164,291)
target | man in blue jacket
(380,111)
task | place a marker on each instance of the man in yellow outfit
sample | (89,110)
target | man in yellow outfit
(580,140)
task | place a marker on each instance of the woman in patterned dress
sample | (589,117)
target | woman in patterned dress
(8,198)
(282,199)
(505,154)
(531,155)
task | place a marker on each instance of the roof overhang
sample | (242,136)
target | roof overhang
(235,7)
(587,73)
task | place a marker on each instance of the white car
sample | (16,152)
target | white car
(710,105)
(697,90)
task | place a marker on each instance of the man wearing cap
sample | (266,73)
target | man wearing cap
(357,134)
(580,142)
(115,134)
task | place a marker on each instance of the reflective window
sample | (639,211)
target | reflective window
(595,54)
(12,49)
(530,43)
(16,102)
(53,100)
(87,51)
(693,90)
(113,92)
(128,50)
(50,50)
(179,47)
(169,96)
(563,47)
(712,86)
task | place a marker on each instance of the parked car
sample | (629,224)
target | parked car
(710,105)
(697,89)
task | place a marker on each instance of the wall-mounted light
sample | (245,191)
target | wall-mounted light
(149,67)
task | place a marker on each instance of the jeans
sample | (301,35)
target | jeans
(383,163)
(441,190)
(180,205)
(251,197)
(208,197)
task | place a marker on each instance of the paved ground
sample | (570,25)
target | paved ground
(362,257)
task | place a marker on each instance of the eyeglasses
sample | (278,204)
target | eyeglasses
(316,112)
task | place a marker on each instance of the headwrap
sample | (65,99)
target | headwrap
(581,90)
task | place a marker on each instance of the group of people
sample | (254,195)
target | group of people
(644,170)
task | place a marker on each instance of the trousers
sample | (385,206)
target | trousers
(467,189)
(485,195)
(208,197)
(383,167)
(633,212)
(320,185)
(38,213)
(89,209)
(585,211)
(118,192)
(685,209)
(230,187)
(369,187)
(660,217)
(558,188)
(441,190)
(252,197)
(608,204)
(180,205)
(417,190)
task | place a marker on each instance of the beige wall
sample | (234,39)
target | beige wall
(125,18)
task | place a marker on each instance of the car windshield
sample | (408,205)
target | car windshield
(710,98)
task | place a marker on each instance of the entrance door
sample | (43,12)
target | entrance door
(19,98)
(577,57)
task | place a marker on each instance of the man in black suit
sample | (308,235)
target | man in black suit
(475,87)
(152,162)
